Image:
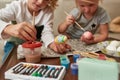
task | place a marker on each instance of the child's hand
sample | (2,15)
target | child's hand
(22,30)
(59,48)
(70,20)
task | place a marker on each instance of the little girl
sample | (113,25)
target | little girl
(90,16)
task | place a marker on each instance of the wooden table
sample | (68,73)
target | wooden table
(12,60)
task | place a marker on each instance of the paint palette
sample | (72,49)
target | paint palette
(30,71)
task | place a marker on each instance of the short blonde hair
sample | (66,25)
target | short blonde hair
(53,4)
(89,1)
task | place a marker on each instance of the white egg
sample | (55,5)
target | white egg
(118,49)
(118,52)
(114,43)
(111,49)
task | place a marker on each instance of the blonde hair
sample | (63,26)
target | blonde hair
(89,1)
(53,4)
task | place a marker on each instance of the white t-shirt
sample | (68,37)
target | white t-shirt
(18,11)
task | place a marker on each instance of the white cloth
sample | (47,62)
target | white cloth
(18,11)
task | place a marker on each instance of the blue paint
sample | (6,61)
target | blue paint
(74,69)
(75,57)
(64,61)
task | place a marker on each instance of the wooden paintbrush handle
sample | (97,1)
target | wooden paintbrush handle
(33,21)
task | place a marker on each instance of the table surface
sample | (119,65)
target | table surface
(12,60)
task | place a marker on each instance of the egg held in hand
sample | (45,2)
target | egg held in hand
(60,39)
(88,35)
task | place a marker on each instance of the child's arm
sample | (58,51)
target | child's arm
(63,26)
(103,33)
(10,13)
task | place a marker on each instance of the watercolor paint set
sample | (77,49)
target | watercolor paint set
(30,71)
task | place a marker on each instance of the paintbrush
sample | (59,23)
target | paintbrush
(33,20)
(93,55)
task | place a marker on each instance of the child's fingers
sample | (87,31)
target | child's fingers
(67,46)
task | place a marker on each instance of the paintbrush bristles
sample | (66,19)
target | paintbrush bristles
(76,22)
(33,21)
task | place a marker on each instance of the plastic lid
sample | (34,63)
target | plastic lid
(31,44)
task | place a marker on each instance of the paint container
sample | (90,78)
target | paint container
(32,51)
(64,61)
(75,57)
(74,68)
